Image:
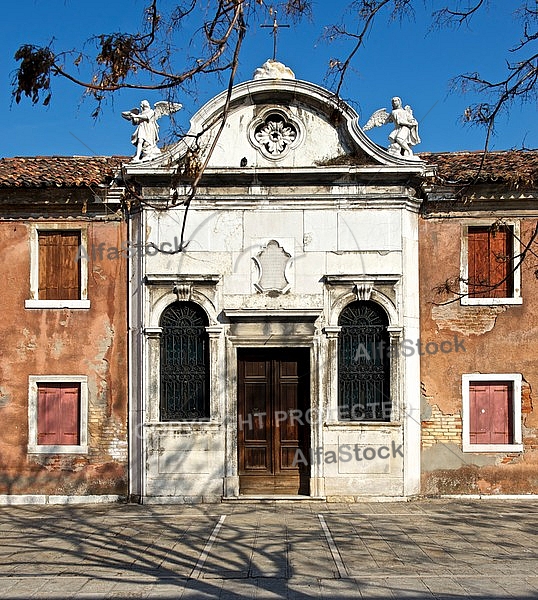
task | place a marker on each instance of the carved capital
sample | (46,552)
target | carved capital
(214,331)
(153,333)
(332,331)
(395,333)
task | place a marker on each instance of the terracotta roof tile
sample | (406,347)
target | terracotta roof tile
(58,171)
(517,168)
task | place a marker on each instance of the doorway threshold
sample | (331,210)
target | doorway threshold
(273,498)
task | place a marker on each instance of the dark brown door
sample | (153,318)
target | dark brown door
(274,421)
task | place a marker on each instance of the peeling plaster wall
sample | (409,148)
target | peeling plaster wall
(497,339)
(89,342)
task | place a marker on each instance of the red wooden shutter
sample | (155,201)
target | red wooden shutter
(47,415)
(501,413)
(69,416)
(59,271)
(489,262)
(490,413)
(58,407)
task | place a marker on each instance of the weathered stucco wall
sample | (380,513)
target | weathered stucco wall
(89,342)
(492,339)
(200,460)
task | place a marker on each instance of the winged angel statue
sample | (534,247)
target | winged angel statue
(405,132)
(146,134)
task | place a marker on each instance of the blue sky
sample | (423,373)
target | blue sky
(405,59)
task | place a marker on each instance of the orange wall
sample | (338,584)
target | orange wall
(90,342)
(496,340)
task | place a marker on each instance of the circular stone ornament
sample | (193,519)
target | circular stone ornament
(274,133)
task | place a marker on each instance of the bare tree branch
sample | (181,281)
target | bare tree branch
(141,60)
(231,80)
(367,11)
(447,16)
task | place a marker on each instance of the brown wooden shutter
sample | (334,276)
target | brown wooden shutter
(478,270)
(490,412)
(489,262)
(500,249)
(58,410)
(59,271)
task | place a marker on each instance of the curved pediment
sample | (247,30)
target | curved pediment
(277,123)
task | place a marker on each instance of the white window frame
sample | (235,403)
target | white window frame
(464,265)
(34,301)
(515,379)
(33,446)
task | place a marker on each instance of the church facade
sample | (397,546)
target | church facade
(283,333)
(248,379)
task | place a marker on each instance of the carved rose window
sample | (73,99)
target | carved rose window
(275,134)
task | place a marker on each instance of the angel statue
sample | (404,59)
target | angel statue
(146,134)
(405,132)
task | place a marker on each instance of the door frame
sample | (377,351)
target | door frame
(273,379)
(228,392)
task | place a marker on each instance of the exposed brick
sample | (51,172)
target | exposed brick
(441,427)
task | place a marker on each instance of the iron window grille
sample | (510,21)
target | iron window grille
(184,371)
(364,363)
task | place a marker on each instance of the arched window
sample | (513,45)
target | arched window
(363,363)
(184,363)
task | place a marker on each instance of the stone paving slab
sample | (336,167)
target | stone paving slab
(435,549)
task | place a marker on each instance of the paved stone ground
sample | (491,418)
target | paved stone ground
(426,549)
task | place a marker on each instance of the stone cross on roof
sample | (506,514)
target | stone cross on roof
(275,27)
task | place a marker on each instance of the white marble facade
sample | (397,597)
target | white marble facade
(292,176)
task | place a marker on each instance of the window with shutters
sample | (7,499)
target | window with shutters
(363,363)
(491,412)
(57,414)
(58,267)
(184,363)
(490,274)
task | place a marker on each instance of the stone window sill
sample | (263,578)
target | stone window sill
(57,304)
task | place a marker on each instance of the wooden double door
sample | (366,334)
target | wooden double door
(274,421)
